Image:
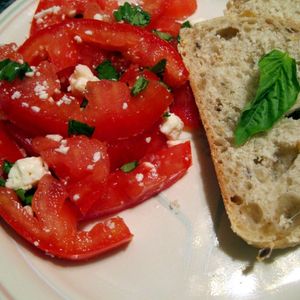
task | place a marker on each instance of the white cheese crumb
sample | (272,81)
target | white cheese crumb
(172,127)
(65,100)
(35,108)
(49,11)
(139,177)
(148,139)
(96,156)
(77,39)
(125,105)
(40,90)
(26,172)
(90,167)
(36,243)
(76,197)
(62,149)
(88,32)
(25,104)
(29,210)
(16,95)
(111,225)
(54,137)
(99,17)
(78,80)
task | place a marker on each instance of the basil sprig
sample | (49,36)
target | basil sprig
(79,128)
(10,70)
(139,86)
(132,14)
(126,168)
(107,71)
(276,94)
(7,165)
(159,68)
(25,196)
(163,35)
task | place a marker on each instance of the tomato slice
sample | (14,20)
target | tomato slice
(9,51)
(179,9)
(154,173)
(53,227)
(185,107)
(82,179)
(116,114)
(9,150)
(136,44)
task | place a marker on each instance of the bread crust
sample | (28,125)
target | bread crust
(208,51)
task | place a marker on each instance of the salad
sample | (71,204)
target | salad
(92,106)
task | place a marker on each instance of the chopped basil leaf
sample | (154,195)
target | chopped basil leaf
(159,68)
(132,14)
(129,166)
(78,128)
(10,70)
(7,165)
(186,24)
(139,86)
(25,196)
(2,181)
(163,35)
(277,92)
(84,103)
(295,115)
(166,115)
(107,71)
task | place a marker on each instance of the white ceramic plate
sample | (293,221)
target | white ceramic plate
(180,254)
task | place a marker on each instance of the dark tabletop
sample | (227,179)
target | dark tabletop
(4,4)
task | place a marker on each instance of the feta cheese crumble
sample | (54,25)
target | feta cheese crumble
(172,127)
(26,172)
(80,77)
(54,137)
(96,156)
(16,95)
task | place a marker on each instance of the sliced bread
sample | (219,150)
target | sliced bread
(259,181)
(286,9)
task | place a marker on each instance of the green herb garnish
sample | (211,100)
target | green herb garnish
(163,35)
(166,115)
(7,165)
(139,86)
(277,92)
(10,70)
(132,14)
(78,128)
(107,71)
(186,24)
(84,103)
(159,68)
(25,196)
(2,181)
(129,166)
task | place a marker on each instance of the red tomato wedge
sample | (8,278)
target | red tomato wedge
(9,150)
(154,173)
(53,228)
(136,44)
(81,164)
(9,51)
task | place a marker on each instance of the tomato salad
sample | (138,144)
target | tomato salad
(92,106)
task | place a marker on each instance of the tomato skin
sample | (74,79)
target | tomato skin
(136,44)
(185,107)
(124,190)
(9,150)
(83,179)
(178,9)
(53,228)
(9,51)
(107,113)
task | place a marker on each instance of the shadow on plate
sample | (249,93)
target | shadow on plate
(228,242)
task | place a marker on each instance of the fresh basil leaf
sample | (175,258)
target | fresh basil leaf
(186,24)
(159,68)
(78,128)
(163,35)
(107,71)
(166,115)
(2,181)
(7,165)
(129,166)
(25,196)
(10,70)
(132,14)
(295,115)
(277,92)
(84,103)
(139,86)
